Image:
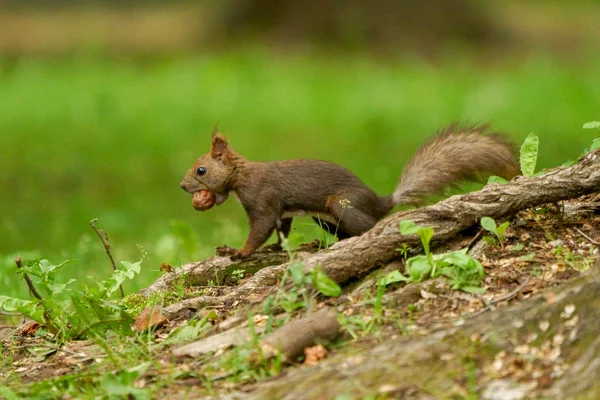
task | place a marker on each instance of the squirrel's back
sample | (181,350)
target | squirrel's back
(454,155)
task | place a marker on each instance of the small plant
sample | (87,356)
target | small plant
(238,274)
(490,225)
(404,250)
(424,233)
(575,261)
(69,312)
(464,272)
(306,285)
(359,324)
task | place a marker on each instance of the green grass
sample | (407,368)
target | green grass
(88,137)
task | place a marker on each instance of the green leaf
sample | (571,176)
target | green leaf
(392,277)
(517,247)
(465,271)
(489,225)
(426,234)
(132,269)
(529,154)
(325,284)
(47,267)
(496,179)
(58,288)
(528,257)
(409,228)
(595,144)
(189,331)
(128,271)
(592,125)
(473,289)
(27,307)
(418,268)
(502,228)
(490,240)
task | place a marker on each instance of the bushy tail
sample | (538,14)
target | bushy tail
(456,154)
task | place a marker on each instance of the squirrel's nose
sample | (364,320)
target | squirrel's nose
(182,185)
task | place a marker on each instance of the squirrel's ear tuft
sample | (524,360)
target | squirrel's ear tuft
(215,130)
(219,145)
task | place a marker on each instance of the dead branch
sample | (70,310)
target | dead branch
(104,240)
(290,340)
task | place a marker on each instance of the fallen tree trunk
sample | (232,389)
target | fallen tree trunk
(547,345)
(358,255)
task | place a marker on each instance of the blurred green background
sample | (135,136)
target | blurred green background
(105,105)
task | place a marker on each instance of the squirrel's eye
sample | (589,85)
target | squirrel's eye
(201,171)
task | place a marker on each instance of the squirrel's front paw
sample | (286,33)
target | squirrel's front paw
(238,255)
(225,251)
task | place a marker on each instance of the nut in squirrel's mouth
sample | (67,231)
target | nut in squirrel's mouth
(203,200)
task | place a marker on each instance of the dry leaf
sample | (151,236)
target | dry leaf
(314,354)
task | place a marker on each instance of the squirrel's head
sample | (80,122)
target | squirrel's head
(213,170)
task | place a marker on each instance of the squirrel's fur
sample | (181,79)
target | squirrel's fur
(273,192)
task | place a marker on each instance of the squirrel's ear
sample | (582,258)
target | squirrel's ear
(219,145)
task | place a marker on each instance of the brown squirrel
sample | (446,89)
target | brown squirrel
(274,192)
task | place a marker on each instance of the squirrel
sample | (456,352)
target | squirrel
(272,193)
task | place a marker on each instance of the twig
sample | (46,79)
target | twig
(587,237)
(32,289)
(475,238)
(510,295)
(107,248)
(489,305)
